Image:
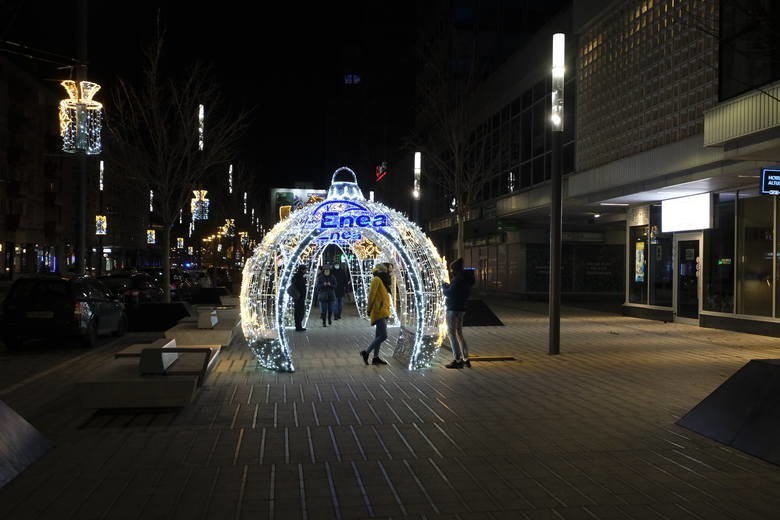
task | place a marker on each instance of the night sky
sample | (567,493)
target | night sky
(288,61)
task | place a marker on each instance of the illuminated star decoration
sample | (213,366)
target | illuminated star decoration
(367,233)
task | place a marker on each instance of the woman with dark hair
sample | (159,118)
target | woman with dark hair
(456,295)
(378,311)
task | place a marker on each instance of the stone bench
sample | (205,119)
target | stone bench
(189,333)
(135,350)
(144,376)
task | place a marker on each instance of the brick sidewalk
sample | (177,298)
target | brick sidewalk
(587,434)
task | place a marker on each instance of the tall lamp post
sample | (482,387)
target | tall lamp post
(556,216)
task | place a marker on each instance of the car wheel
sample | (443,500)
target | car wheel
(91,336)
(122,327)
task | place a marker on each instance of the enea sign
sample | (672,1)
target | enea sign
(770,182)
(348,224)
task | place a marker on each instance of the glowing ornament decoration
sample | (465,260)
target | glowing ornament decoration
(151,236)
(190,250)
(101,225)
(180,243)
(367,233)
(199,205)
(81,118)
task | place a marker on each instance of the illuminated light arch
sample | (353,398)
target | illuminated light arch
(372,233)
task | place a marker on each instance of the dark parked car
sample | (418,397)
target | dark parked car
(53,306)
(181,285)
(134,288)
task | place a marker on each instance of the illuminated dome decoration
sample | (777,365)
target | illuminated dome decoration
(368,233)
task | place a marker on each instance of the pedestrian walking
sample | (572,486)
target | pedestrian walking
(378,311)
(298,290)
(326,294)
(456,295)
(342,281)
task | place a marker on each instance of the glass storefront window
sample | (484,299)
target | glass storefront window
(755,243)
(637,281)
(719,257)
(659,261)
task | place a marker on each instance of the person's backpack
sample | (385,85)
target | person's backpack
(293,292)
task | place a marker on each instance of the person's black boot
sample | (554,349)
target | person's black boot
(323,321)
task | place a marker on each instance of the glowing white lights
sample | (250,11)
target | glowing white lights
(199,205)
(558,69)
(151,236)
(367,232)
(230,179)
(100,177)
(101,225)
(81,118)
(201,116)
(417,174)
(151,201)
(179,242)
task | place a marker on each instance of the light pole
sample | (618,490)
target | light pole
(556,216)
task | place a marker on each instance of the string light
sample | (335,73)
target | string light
(100,177)
(199,205)
(244,203)
(101,225)
(367,232)
(201,117)
(81,118)
(230,179)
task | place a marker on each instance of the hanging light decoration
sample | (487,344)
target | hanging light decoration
(81,118)
(151,236)
(101,225)
(199,205)
(151,201)
(180,243)
(230,179)
(201,117)
(100,177)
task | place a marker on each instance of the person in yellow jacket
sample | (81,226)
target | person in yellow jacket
(378,311)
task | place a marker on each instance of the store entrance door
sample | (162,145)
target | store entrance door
(687,289)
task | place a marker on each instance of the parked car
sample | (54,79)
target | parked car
(181,285)
(53,306)
(133,287)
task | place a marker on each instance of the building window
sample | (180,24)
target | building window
(659,261)
(755,243)
(718,291)
(637,250)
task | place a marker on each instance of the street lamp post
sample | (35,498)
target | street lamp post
(556,214)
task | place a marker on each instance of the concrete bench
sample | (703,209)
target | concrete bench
(135,350)
(149,375)
(188,333)
(207,318)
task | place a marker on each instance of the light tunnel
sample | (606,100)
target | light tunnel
(368,232)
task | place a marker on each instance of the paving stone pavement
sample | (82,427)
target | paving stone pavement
(589,433)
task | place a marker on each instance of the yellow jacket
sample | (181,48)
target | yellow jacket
(378,301)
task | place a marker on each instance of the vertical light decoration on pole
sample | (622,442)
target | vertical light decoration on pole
(230,180)
(151,236)
(151,201)
(81,118)
(556,213)
(416,187)
(201,116)
(244,203)
(199,205)
(100,177)
(101,225)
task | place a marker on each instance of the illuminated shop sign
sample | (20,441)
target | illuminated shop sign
(770,182)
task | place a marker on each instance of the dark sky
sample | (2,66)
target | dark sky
(288,59)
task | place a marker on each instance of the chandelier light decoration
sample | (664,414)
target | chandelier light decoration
(199,205)
(81,118)
(101,225)
(368,233)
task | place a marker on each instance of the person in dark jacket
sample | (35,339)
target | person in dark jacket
(299,298)
(456,295)
(342,281)
(326,294)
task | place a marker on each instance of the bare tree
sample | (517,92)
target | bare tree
(153,138)
(453,142)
